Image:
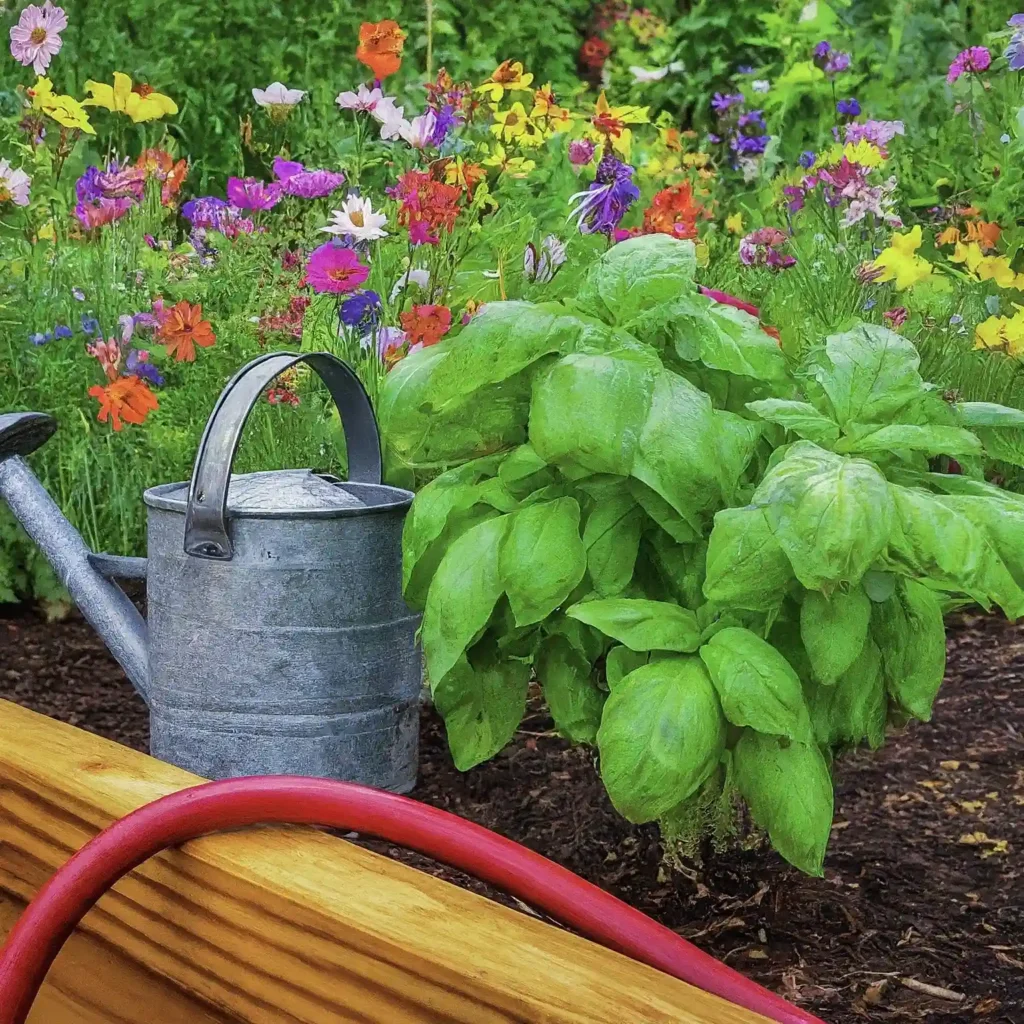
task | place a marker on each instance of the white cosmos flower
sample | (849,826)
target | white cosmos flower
(357,219)
(362,99)
(277,95)
(14,185)
(391,118)
(420,130)
(417,276)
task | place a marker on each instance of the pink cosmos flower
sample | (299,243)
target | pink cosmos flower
(362,99)
(253,194)
(971,61)
(332,268)
(14,185)
(36,38)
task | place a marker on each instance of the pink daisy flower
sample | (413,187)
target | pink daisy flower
(332,268)
(36,38)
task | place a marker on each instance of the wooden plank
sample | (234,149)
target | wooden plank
(292,926)
(92,983)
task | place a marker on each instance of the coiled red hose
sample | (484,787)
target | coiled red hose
(60,905)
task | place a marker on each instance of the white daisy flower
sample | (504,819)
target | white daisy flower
(357,219)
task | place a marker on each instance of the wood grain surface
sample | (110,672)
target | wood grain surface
(287,925)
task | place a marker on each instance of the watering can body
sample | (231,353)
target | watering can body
(277,639)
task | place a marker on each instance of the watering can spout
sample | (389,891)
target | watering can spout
(87,576)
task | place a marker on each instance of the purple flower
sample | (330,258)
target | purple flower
(796,195)
(744,69)
(722,103)
(881,133)
(253,194)
(603,205)
(87,187)
(63,331)
(1014,52)
(971,61)
(837,62)
(445,120)
(295,180)
(713,138)
(807,158)
(360,310)
(849,108)
(821,52)
(208,213)
(90,326)
(750,145)
(581,152)
(754,118)
(41,339)
(763,247)
(138,365)
(388,340)
(121,181)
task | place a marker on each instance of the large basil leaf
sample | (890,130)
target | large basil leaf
(662,734)
(682,566)
(756,685)
(869,373)
(462,595)
(481,707)
(662,512)
(988,414)
(542,558)
(910,632)
(641,625)
(620,662)
(799,417)
(573,698)
(1001,519)
(834,631)
(854,709)
(612,538)
(746,566)
(930,439)
(831,515)
(936,541)
(636,276)
(789,791)
(729,339)
(591,408)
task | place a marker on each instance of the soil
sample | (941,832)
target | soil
(924,879)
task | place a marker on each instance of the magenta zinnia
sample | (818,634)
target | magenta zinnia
(253,194)
(332,268)
(971,61)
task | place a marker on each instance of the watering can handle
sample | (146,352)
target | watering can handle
(206,533)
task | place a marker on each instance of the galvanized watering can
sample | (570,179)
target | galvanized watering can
(278,641)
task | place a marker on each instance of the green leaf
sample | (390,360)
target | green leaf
(746,566)
(734,341)
(988,414)
(932,440)
(911,634)
(462,595)
(756,685)
(637,275)
(450,492)
(572,695)
(523,470)
(482,708)
(542,558)
(831,515)
(662,734)
(834,630)
(662,512)
(591,409)
(682,566)
(620,662)
(641,625)
(870,373)
(612,538)
(799,417)
(935,541)
(789,791)
(854,709)
(999,515)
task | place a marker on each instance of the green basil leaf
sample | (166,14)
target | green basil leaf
(834,631)
(573,698)
(746,566)
(662,734)
(612,539)
(801,418)
(988,414)
(641,625)
(620,662)
(930,439)
(854,708)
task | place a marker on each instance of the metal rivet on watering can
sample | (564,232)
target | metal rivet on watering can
(278,638)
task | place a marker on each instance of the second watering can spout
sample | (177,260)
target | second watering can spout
(87,577)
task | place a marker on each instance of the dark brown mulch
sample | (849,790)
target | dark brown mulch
(924,878)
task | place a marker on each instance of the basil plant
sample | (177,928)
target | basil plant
(721,568)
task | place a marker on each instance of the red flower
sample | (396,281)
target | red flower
(426,325)
(673,212)
(425,205)
(593,53)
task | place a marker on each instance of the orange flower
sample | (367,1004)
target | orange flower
(127,398)
(948,237)
(426,325)
(673,211)
(183,328)
(159,164)
(380,47)
(985,233)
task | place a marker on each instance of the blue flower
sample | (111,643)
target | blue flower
(807,159)
(750,145)
(360,310)
(63,331)
(603,205)
(41,339)
(1014,53)
(138,365)
(850,107)
(445,120)
(721,103)
(91,326)
(745,69)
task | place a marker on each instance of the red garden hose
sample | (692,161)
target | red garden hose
(60,905)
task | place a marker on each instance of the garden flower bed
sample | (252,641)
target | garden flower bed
(708,386)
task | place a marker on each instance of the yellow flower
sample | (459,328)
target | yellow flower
(507,77)
(65,110)
(139,102)
(1001,332)
(734,223)
(515,123)
(515,166)
(865,153)
(610,122)
(900,262)
(986,268)
(697,160)
(556,118)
